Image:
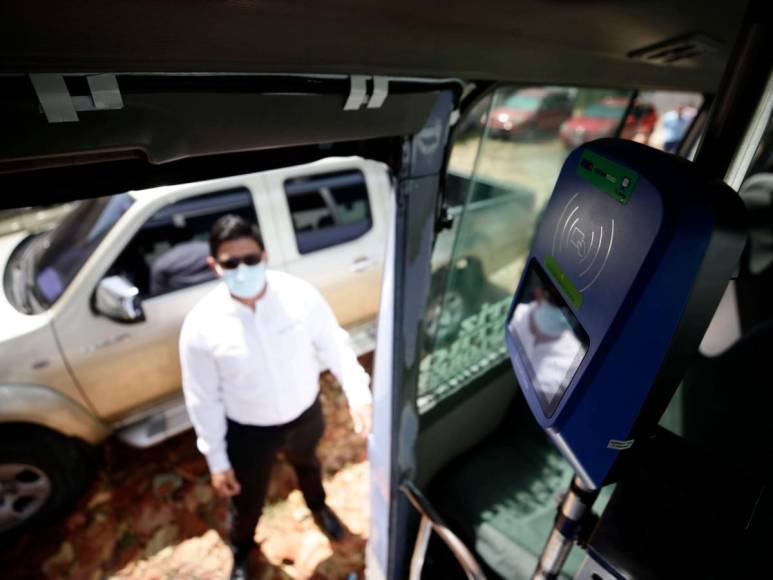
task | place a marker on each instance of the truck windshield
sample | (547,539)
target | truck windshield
(63,250)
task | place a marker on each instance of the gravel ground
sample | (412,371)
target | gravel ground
(151,514)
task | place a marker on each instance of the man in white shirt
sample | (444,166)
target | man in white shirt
(248,352)
(548,342)
(674,125)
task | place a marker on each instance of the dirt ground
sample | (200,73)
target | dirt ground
(151,514)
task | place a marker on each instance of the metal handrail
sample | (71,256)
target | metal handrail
(431,521)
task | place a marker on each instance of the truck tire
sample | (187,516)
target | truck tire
(449,306)
(443,319)
(42,473)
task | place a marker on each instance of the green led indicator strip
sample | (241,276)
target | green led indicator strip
(616,180)
(570,290)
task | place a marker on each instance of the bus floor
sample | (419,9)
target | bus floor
(501,497)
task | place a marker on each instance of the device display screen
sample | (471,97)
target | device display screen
(548,337)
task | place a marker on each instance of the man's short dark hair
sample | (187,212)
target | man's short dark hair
(232,227)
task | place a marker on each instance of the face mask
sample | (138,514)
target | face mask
(549,320)
(245,281)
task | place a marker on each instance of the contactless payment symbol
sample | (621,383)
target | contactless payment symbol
(577,239)
(582,241)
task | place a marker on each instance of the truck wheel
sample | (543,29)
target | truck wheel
(444,318)
(42,473)
(450,305)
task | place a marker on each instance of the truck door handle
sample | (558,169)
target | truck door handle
(361,263)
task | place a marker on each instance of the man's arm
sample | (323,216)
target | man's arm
(334,348)
(204,401)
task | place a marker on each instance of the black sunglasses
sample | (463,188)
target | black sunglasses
(248,259)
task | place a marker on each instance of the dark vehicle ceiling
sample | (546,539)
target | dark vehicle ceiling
(539,40)
(178,105)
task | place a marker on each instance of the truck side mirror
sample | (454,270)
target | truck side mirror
(119,300)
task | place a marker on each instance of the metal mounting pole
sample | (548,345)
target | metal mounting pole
(575,505)
(432,522)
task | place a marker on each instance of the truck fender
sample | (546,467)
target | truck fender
(39,405)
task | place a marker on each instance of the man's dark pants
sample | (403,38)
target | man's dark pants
(252,450)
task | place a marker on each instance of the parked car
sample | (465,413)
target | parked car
(88,345)
(528,113)
(602,118)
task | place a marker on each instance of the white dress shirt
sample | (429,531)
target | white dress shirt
(261,367)
(549,359)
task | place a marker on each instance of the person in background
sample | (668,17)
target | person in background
(182,265)
(248,352)
(674,125)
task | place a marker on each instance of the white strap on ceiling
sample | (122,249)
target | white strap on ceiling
(380,92)
(61,107)
(358,92)
(54,98)
(105,92)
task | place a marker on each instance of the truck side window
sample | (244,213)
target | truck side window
(328,209)
(170,251)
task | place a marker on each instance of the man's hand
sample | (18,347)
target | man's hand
(362,417)
(225,483)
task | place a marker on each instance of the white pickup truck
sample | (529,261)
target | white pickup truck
(90,324)
(88,338)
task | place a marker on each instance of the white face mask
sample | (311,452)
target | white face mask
(245,281)
(549,320)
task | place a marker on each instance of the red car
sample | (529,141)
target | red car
(529,112)
(602,118)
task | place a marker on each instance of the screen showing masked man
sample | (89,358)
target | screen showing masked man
(549,338)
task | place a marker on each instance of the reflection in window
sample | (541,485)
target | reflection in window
(547,335)
(500,176)
(656,118)
(507,153)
